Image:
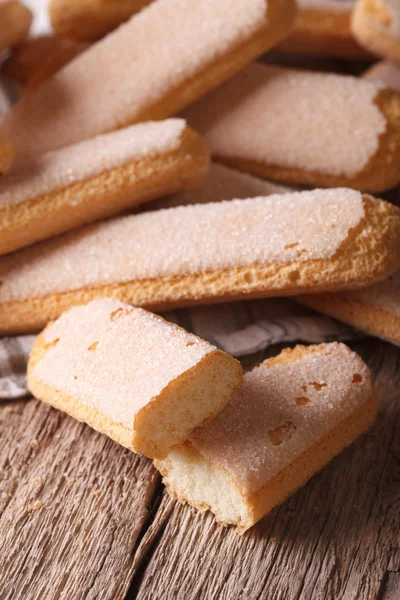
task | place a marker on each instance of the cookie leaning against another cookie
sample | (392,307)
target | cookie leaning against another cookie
(89,20)
(15,22)
(322,28)
(144,382)
(294,412)
(164,58)
(295,126)
(376,26)
(375,309)
(280,245)
(98,178)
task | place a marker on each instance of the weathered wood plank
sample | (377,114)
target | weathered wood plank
(73,505)
(337,538)
(80,517)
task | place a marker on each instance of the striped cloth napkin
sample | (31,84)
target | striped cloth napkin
(240,328)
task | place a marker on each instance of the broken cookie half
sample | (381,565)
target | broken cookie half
(291,416)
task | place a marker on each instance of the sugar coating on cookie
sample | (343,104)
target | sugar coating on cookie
(113,365)
(280,410)
(384,295)
(318,122)
(291,416)
(385,71)
(62,168)
(150,57)
(300,226)
(221,183)
(115,358)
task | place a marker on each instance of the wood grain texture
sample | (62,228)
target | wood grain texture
(73,504)
(336,538)
(80,517)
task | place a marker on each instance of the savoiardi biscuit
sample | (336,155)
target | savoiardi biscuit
(164,58)
(279,245)
(295,126)
(291,416)
(97,178)
(144,382)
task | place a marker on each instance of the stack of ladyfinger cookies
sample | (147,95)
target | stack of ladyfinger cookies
(149,164)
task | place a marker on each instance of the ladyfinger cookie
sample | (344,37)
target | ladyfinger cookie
(221,183)
(91,19)
(144,382)
(292,415)
(163,59)
(279,245)
(375,309)
(385,71)
(376,25)
(6,156)
(304,127)
(15,22)
(97,178)
(323,28)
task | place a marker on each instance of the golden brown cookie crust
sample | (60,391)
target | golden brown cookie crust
(217,373)
(322,32)
(103,195)
(15,19)
(346,307)
(361,259)
(90,20)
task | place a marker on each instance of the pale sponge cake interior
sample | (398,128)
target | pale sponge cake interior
(291,415)
(128,373)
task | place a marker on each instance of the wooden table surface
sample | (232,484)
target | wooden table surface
(81,517)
